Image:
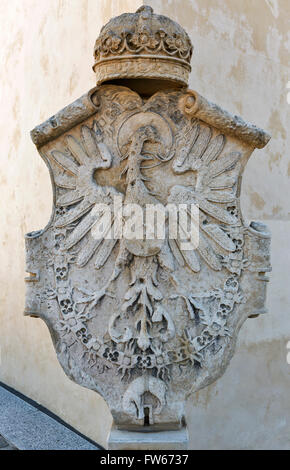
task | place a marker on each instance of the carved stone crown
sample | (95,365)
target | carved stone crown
(143,45)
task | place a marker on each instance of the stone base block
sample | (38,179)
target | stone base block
(162,440)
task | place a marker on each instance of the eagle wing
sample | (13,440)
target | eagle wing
(79,197)
(214,192)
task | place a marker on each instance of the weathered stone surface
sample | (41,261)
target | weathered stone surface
(143,45)
(146,322)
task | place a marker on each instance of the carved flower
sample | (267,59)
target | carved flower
(225,308)
(113,111)
(233,210)
(111,44)
(143,362)
(180,355)
(61,273)
(204,338)
(113,356)
(219,330)
(153,42)
(66,306)
(86,338)
(115,43)
(177,43)
(135,40)
(60,210)
(59,237)
(83,336)
(232,284)
(50,293)
(144,40)
(222,315)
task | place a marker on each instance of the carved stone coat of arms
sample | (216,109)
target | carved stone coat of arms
(145,321)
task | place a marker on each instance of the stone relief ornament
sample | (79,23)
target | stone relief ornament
(145,321)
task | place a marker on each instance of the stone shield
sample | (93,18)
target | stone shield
(144,321)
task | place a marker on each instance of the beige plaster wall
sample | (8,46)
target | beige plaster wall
(241,61)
